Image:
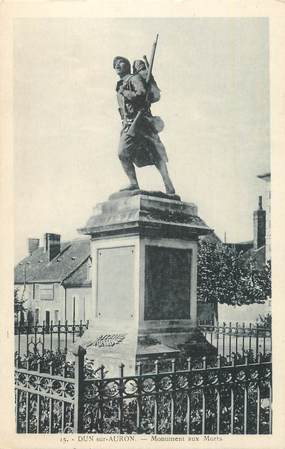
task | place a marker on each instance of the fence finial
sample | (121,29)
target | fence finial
(139,367)
(173,363)
(121,367)
(156,366)
(189,363)
(218,361)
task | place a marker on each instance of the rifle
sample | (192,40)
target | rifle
(131,131)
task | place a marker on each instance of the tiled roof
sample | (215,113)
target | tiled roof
(79,278)
(241,246)
(39,269)
(211,237)
(257,254)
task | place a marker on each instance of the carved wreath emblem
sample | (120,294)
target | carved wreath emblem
(109,340)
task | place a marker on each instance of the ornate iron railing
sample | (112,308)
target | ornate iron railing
(220,397)
(44,401)
(227,338)
(238,338)
(39,338)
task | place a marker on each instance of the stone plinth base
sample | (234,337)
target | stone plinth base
(174,344)
(131,212)
(144,276)
(111,345)
(114,347)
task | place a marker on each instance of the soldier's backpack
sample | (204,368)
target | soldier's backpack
(154,91)
(139,67)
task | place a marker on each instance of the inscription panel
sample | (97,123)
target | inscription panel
(167,283)
(115,283)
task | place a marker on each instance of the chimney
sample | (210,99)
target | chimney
(33,244)
(259,225)
(52,245)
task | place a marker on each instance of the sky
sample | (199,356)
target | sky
(214,78)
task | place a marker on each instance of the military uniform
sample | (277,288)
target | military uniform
(145,148)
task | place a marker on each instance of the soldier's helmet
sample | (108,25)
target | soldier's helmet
(121,58)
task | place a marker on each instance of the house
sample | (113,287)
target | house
(257,249)
(54,279)
(260,247)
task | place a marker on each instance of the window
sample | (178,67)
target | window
(46,292)
(37,315)
(47,317)
(75,308)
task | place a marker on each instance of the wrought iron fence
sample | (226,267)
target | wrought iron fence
(238,338)
(227,338)
(223,396)
(43,337)
(45,396)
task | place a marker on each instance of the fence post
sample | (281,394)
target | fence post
(256,341)
(79,353)
(218,392)
(204,361)
(121,397)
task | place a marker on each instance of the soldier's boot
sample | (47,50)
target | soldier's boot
(162,168)
(130,171)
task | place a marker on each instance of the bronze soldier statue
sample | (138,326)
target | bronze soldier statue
(139,140)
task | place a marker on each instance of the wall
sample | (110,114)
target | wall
(242,314)
(28,292)
(54,306)
(82,302)
(206,312)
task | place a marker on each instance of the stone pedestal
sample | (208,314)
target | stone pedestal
(144,259)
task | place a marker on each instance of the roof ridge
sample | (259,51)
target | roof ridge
(72,255)
(76,268)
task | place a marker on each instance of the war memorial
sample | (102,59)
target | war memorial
(143,246)
(142,364)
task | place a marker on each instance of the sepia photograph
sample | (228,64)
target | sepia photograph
(142,285)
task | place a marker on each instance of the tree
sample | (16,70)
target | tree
(226,277)
(19,307)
